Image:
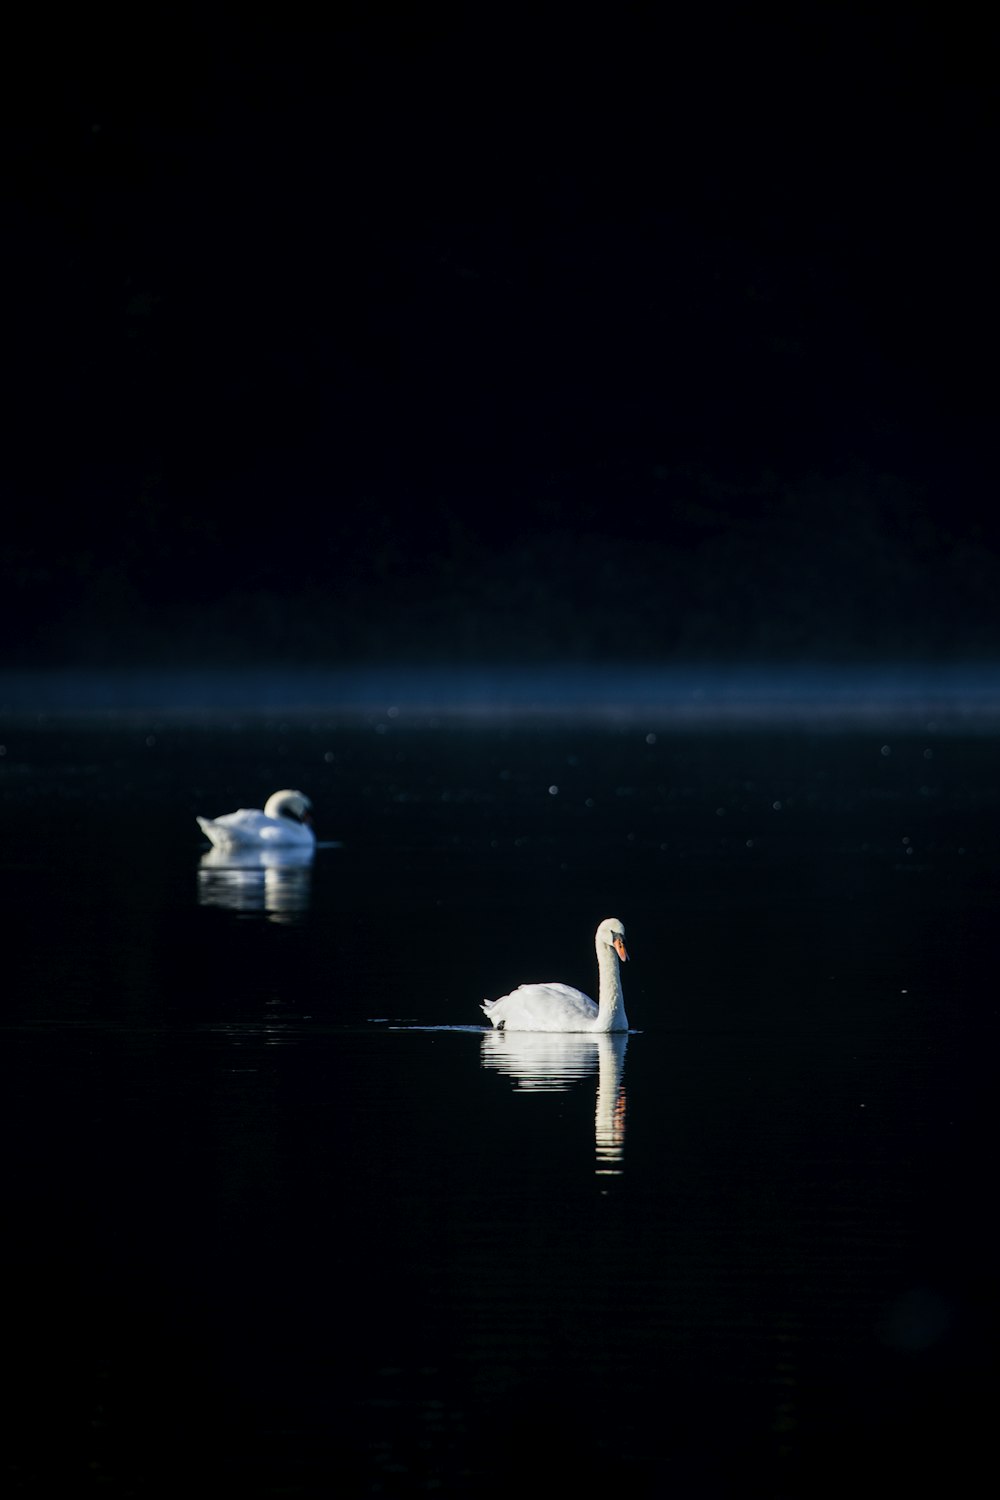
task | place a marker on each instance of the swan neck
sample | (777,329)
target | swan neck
(610,1002)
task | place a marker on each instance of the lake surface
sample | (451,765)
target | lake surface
(283,1218)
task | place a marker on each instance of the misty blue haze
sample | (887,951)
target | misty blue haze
(958,695)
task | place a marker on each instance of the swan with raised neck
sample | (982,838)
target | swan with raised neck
(560,1007)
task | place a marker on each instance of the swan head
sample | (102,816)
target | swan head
(611,934)
(289,804)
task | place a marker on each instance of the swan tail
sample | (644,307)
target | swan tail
(220,837)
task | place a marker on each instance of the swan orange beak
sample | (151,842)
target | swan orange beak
(620,949)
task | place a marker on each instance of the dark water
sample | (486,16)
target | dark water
(282,1219)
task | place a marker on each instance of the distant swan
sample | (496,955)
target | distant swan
(559,1007)
(285,820)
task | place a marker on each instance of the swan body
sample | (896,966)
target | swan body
(560,1007)
(285,820)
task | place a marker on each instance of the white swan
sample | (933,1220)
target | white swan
(559,1007)
(285,820)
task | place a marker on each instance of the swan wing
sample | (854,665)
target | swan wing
(235,829)
(542,1007)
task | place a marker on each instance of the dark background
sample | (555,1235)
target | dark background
(469,333)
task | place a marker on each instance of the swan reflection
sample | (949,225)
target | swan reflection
(274,882)
(553,1061)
